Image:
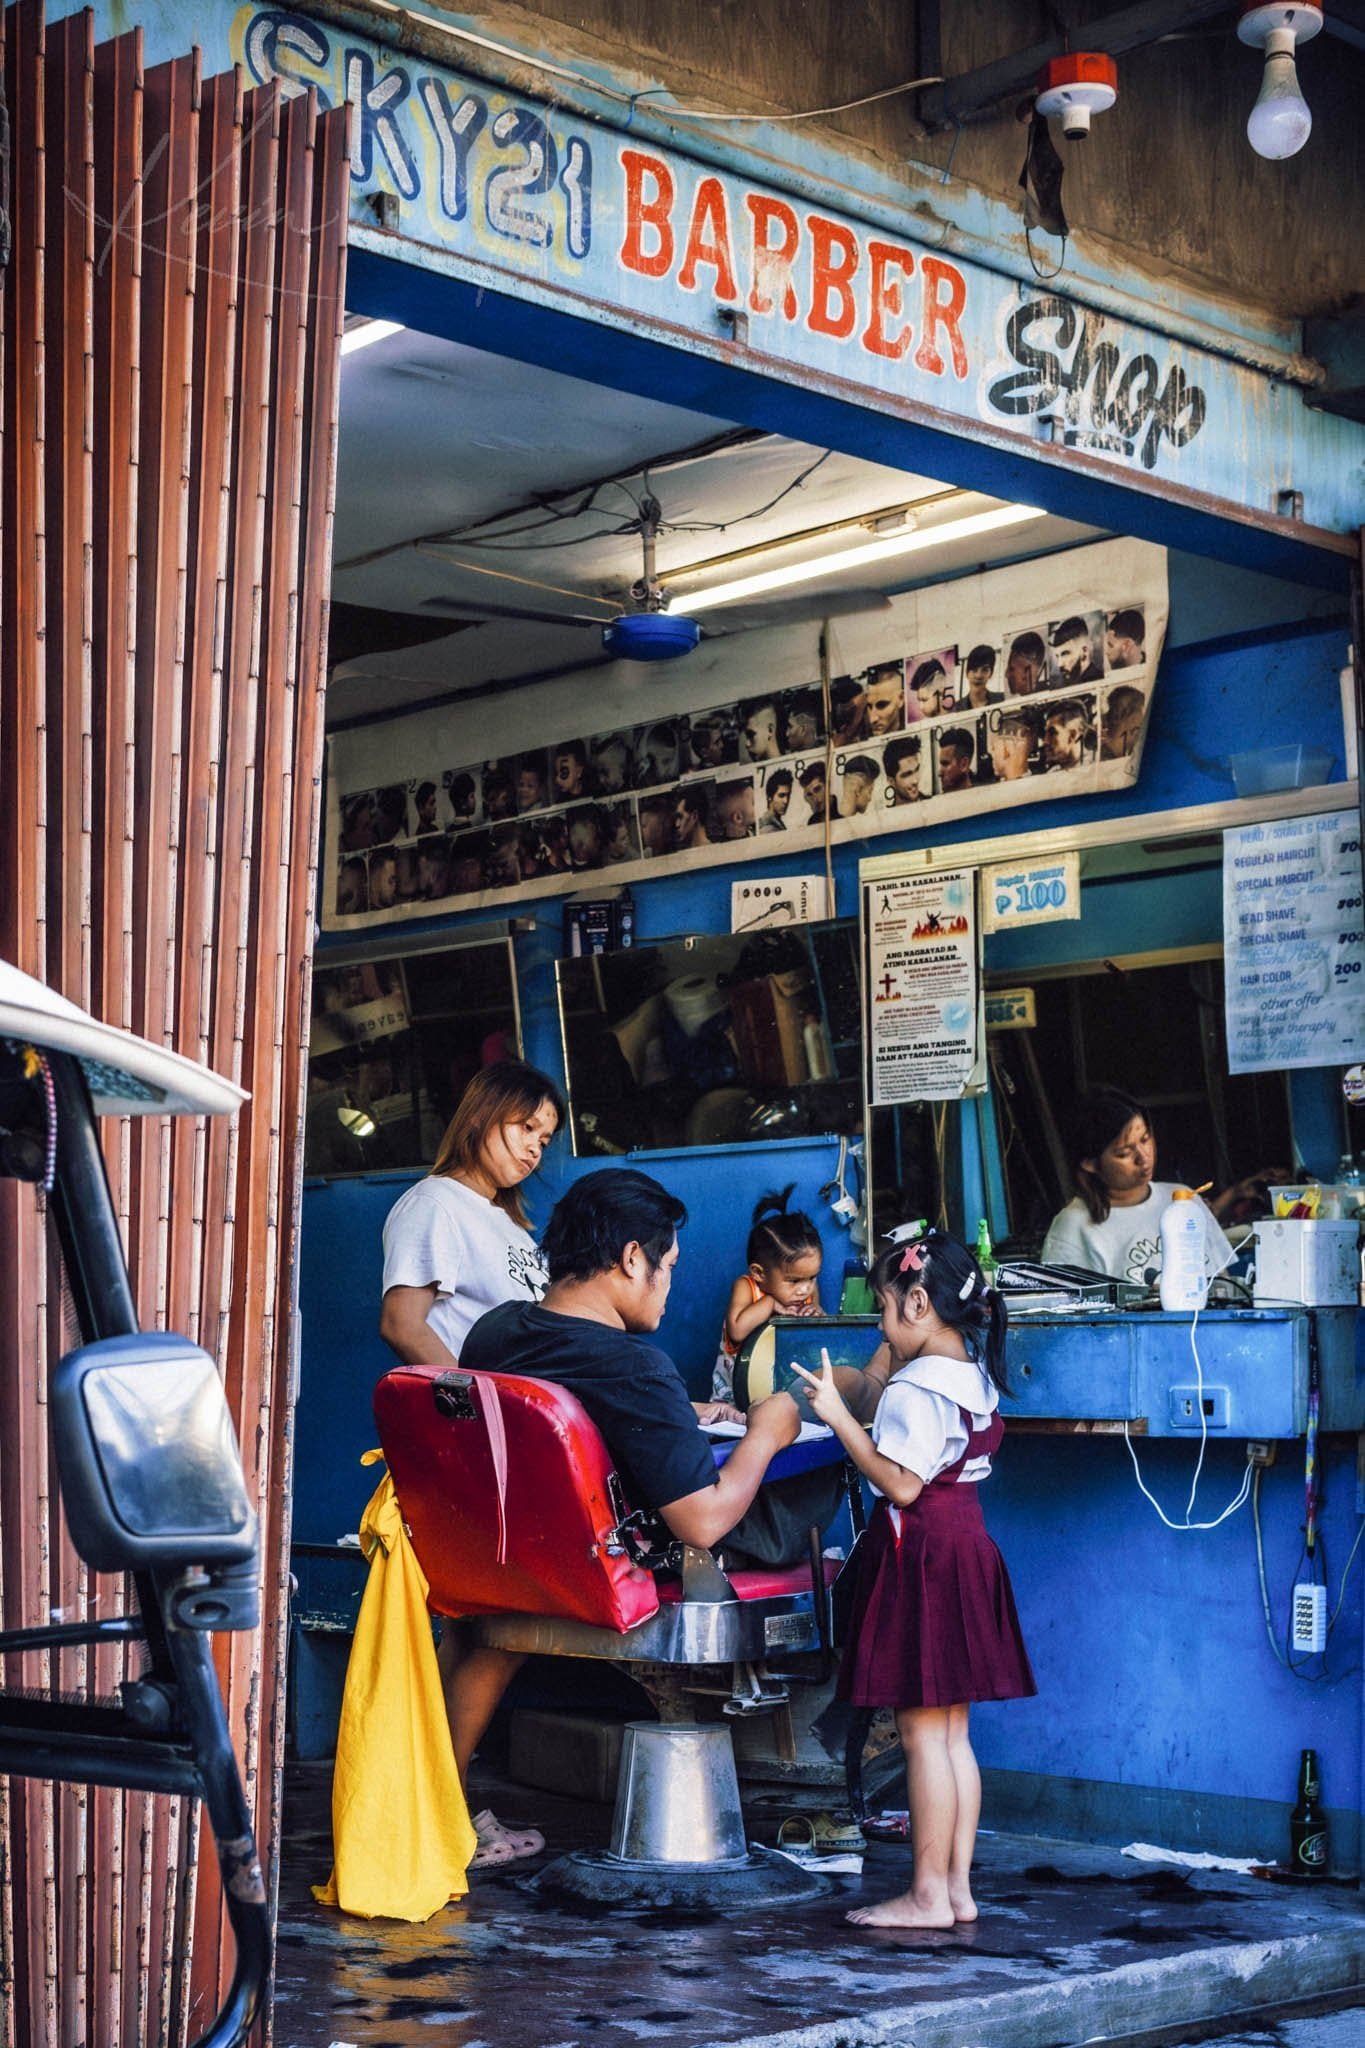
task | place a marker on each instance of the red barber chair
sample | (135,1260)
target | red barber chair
(519,1521)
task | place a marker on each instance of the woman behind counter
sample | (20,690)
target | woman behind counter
(1113,1223)
(456,1245)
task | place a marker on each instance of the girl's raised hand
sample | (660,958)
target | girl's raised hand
(824,1397)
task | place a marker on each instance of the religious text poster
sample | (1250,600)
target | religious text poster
(1294,944)
(921,987)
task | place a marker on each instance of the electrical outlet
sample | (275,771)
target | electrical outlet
(1184,1411)
(1260,1452)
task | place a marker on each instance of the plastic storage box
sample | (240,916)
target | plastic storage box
(1271,768)
(1308,1260)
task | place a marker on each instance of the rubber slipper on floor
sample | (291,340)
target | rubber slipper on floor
(499,1844)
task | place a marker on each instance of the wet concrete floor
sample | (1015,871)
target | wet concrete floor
(1071,1943)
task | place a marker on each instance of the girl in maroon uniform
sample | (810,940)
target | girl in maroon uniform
(934,1625)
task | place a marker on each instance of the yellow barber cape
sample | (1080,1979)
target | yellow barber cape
(401,1833)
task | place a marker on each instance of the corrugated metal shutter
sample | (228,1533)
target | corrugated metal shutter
(172,312)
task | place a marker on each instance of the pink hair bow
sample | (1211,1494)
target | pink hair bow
(912,1259)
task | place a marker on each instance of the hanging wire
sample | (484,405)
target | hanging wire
(869,99)
(1045,276)
(508,537)
(34,1064)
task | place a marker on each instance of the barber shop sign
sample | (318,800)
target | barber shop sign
(517,193)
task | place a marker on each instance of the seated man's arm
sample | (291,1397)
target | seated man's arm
(863,1386)
(403,1326)
(711,1512)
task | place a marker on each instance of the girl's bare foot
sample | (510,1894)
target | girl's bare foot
(962,1902)
(905,1910)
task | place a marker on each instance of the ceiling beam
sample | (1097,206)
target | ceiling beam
(941,106)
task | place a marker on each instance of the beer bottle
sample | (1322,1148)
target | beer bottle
(1308,1822)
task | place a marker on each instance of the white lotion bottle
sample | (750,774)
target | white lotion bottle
(1184,1281)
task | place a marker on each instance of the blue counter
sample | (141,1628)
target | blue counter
(1247,1371)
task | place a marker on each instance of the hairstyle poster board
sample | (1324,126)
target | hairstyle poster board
(1004,688)
(922,988)
(1294,943)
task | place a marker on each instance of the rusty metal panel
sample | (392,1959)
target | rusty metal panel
(118,103)
(68,315)
(170,327)
(229,1143)
(258,1353)
(322,414)
(219,180)
(29,1868)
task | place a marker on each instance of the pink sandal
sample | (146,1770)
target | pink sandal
(498,1844)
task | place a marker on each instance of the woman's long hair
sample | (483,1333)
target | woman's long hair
(1100,1116)
(502,1093)
(958,1292)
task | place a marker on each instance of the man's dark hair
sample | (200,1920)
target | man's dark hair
(595,1219)
(845,688)
(981,657)
(1073,628)
(811,771)
(906,748)
(1129,625)
(1029,646)
(575,749)
(1017,718)
(861,764)
(781,778)
(959,739)
(1123,702)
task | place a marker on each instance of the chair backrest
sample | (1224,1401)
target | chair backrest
(509,1496)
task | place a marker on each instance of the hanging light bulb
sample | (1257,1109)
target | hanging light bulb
(1280,122)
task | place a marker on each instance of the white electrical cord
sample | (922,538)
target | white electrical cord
(1279,1655)
(400,15)
(1240,1497)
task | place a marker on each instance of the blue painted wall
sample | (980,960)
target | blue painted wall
(1154,1671)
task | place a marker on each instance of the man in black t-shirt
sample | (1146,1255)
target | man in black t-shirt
(611,1246)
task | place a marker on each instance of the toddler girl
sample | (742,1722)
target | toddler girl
(784,1256)
(934,1625)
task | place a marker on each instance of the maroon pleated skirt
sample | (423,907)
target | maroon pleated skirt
(933,1620)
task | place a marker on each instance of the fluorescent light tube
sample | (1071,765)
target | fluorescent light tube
(881,550)
(367,332)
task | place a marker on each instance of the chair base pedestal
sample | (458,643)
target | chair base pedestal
(731,1885)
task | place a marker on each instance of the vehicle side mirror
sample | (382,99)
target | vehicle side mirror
(151,1474)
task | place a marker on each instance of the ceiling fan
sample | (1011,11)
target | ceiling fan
(646,630)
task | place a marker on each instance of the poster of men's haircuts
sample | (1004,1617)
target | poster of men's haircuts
(1013,686)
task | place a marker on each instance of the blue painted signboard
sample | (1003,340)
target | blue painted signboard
(515,193)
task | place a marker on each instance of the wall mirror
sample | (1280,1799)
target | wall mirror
(399,1027)
(715,1040)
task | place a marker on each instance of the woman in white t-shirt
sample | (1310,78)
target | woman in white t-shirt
(456,1245)
(1113,1224)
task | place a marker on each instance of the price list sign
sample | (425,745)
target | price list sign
(921,987)
(1294,944)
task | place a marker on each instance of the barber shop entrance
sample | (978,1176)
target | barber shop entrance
(932,563)
(710,563)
